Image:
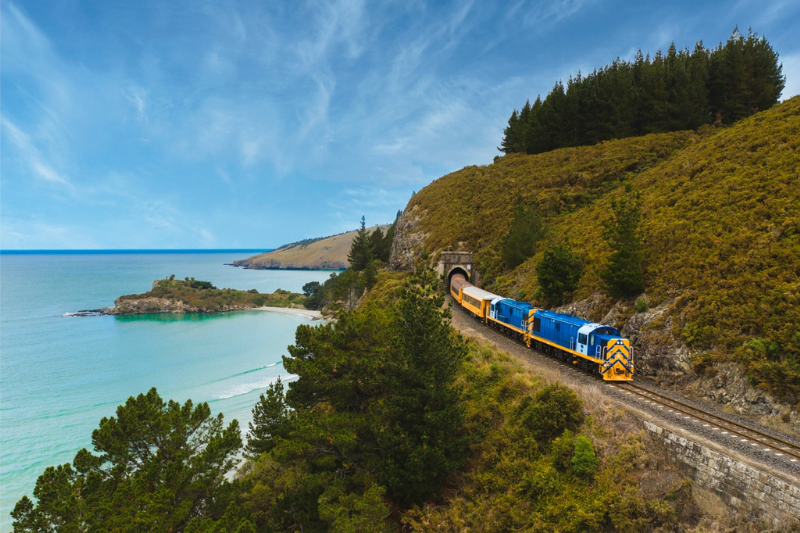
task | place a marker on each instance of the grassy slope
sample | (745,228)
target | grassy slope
(721,217)
(325,253)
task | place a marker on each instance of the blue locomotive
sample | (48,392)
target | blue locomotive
(593,347)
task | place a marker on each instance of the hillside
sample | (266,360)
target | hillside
(721,224)
(328,253)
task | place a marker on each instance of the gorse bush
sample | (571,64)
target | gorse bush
(550,412)
(527,229)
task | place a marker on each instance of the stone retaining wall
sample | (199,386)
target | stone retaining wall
(722,483)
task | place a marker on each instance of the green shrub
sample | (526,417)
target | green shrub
(562,449)
(641,305)
(552,410)
(584,460)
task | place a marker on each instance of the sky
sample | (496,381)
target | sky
(251,124)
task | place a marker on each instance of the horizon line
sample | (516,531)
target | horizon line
(130,250)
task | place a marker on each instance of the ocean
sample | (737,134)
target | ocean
(60,375)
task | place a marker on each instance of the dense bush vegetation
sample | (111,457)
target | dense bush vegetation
(679,90)
(720,224)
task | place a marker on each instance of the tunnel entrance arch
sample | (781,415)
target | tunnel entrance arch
(457,262)
(456,270)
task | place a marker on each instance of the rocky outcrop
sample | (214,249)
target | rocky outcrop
(192,296)
(663,356)
(127,305)
(409,240)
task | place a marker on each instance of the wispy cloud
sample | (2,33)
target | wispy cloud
(147,128)
(33,159)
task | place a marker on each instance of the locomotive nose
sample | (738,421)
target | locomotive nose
(618,365)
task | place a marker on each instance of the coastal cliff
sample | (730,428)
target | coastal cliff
(192,296)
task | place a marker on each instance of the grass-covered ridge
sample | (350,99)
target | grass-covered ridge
(721,223)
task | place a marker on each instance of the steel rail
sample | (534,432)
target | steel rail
(734,428)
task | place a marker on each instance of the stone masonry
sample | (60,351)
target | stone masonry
(721,482)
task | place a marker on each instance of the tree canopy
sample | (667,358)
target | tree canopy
(678,90)
(158,467)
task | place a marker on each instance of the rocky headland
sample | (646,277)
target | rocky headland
(192,296)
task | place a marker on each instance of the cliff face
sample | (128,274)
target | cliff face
(409,239)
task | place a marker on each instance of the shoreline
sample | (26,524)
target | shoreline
(309,313)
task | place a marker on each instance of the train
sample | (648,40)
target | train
(595,348)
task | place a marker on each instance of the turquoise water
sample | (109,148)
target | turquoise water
(60,375)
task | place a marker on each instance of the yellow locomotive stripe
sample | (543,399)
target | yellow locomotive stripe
(573,352)
(509,326)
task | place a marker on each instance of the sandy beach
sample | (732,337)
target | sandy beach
(316,315)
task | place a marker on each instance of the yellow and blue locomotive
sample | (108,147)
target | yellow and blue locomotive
(593,347)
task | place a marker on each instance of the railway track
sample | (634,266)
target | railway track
(726,430)
(746,434)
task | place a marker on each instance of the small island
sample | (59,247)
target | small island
(172,295)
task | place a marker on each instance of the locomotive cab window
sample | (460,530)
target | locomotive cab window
(591,339)
(581,338)
(537,324)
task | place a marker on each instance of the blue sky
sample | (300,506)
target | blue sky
(233,124)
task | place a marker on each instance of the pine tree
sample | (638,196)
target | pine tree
(159,465)
(419,430)
(527,228)
(360,254)
(558,272)
(669,91)
(622,274)
(513,140)
(271,420)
